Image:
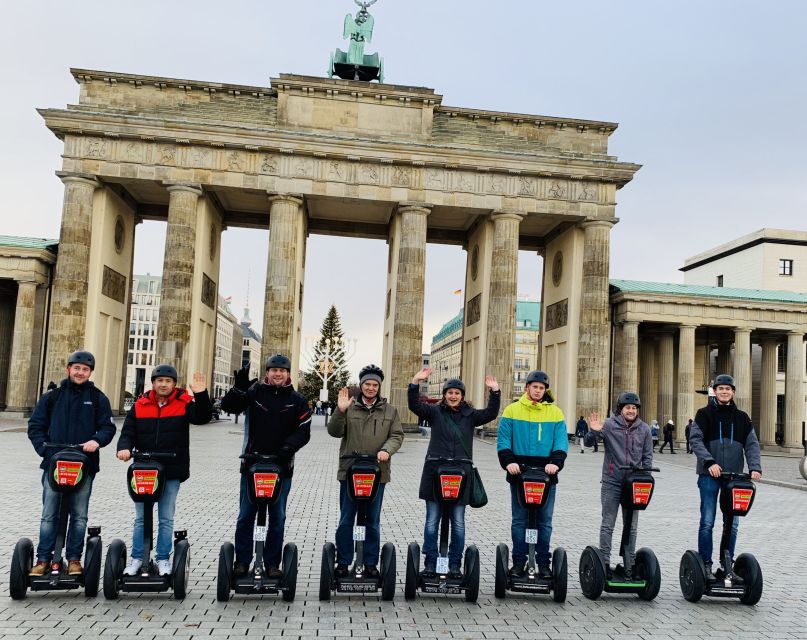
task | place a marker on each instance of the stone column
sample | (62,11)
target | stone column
(18,395)
(174,324)
(794,391)
(742,368)
(286,217)
(665,378)
(648,387)
(723,358)
(767,393)
(686,379)
(410,284)
(68,312)
(630,343)
(501,329)
(594,337)
(7,306)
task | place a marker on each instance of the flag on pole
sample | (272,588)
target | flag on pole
(458,292)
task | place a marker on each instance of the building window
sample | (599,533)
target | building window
(785,267)
(781,358)
(720,281)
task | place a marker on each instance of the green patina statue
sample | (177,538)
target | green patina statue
(355,64)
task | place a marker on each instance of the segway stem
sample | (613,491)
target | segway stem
(361,521)
(258,569)
(532,523)
(148,534)
(61,536)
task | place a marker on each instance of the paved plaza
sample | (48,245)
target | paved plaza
(207,507)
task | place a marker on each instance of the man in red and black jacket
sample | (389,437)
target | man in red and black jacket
(159,422)
(278,422)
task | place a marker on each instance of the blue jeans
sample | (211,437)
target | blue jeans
(344,532)
(518,527)
(276,521)
(710,490)
(77,523)
(456,545)
(165,530)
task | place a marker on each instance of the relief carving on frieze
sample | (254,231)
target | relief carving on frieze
(401,176)
(96,148)
(269,164)
(113,285)
(557,190)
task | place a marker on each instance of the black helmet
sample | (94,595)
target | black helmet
(724,378)
(278,361)
(538,376)
(628,397)
(371,372)
(454,383)
(163,371)
(81,357)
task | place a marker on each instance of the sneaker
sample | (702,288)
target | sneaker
(428,572)
(544,571)
(274,572)
(371,572)
(74,568)
(39,569)
(239,570)
(454,573)
(164,567)
(133,568)
(517,571)
(710,577)
(341,571)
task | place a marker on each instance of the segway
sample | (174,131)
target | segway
(363,478)
(743,579)
(534,484)
(642,577)
(145,481)
(264,488)
(66,475)
(450,481)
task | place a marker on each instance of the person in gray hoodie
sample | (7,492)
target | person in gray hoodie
(627,442)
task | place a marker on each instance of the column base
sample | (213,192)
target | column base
(785,452)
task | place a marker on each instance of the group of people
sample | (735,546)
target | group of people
(532,431)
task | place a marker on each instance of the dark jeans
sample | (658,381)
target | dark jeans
(276,523)
(665,443)
(77,522)
(456,545)
(344,532)
(518,528)
(710,490)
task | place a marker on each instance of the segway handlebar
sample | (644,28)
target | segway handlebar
(259,457)
(141,456)
(62,445)
(358,456)
(633,467)
(450,460)
(731,475)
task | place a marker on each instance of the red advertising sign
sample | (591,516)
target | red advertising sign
(265,484)
(450,486)
(642,492)
(144,481)
(68,472)
(741,499)
(363,484)
(534,492)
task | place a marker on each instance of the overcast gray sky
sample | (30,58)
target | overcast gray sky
(710,96)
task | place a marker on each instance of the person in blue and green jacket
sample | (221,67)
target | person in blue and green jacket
(532,431)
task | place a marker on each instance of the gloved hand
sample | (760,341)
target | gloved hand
(242,381)
(285,455)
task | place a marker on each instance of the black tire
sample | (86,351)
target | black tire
(560,575)
(747,567)
(113,568)
(803,467)
(181,569)
(472,573)
(289,579)
(412,570)
(592,573)
(326,575)
(502,553)
(21,564)
(389,571)
(648,569)
(92,566)
(224,580)
(692,576)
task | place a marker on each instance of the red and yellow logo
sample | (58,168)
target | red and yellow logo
(534,492)
(642,492)
(145,482)
(68,473)
(450,486)
(741,499)
(265,484)
(363,484)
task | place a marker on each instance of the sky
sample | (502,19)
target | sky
(710,97)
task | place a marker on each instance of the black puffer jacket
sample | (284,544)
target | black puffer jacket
(721,434)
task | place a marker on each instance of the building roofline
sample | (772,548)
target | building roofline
(761,236)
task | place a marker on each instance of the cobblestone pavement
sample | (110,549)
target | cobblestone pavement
(207,506)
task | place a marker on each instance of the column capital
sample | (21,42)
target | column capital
(23,281)
(292,198)
(192,187)
(507,214)
(795,333)
(82,178)
(742,330)
(688,325)
(415,207)
(586,224)
(770,340)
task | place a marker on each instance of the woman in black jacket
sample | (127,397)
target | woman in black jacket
(452,422)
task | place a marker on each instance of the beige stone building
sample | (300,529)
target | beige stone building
(143,319)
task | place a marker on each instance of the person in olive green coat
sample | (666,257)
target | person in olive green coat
(366,425)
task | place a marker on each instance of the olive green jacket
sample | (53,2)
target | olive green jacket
(367,431)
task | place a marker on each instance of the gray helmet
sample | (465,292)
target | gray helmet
(81,357)
(627,397)
(724,378)
(371,372)
(164,371)
(538,376)
(454,383)
(278,361)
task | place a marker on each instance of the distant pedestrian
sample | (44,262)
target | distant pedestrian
(687,431)
(580,432)
(669,430)
(654,433)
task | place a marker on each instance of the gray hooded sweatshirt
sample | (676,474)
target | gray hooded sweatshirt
(624,445)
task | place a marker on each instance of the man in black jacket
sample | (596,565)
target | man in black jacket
(278,422)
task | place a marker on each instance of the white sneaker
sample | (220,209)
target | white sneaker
(164,567)
(133,567)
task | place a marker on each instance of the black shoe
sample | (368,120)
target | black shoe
(371,572)
(544,571)
(619,573)
(454,573)
(609,572)
(274,572)
(428,572)
(517,571)
(710,577)
(672,452)
(341,571)
(240,570)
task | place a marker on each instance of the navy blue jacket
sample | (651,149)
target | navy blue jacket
(80,413)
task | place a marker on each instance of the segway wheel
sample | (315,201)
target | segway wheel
(747,567)
(21,564)
(412,570)
(471,573)
(113,568)
(289,580)
(502,553)
(803,467)
(592,573)
(692,576)
(180,572)
(224,580)
(648,569)
(326,576)
(388,571)
(560,575)
(92,566)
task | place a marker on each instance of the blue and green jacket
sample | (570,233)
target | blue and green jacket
(532,433)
